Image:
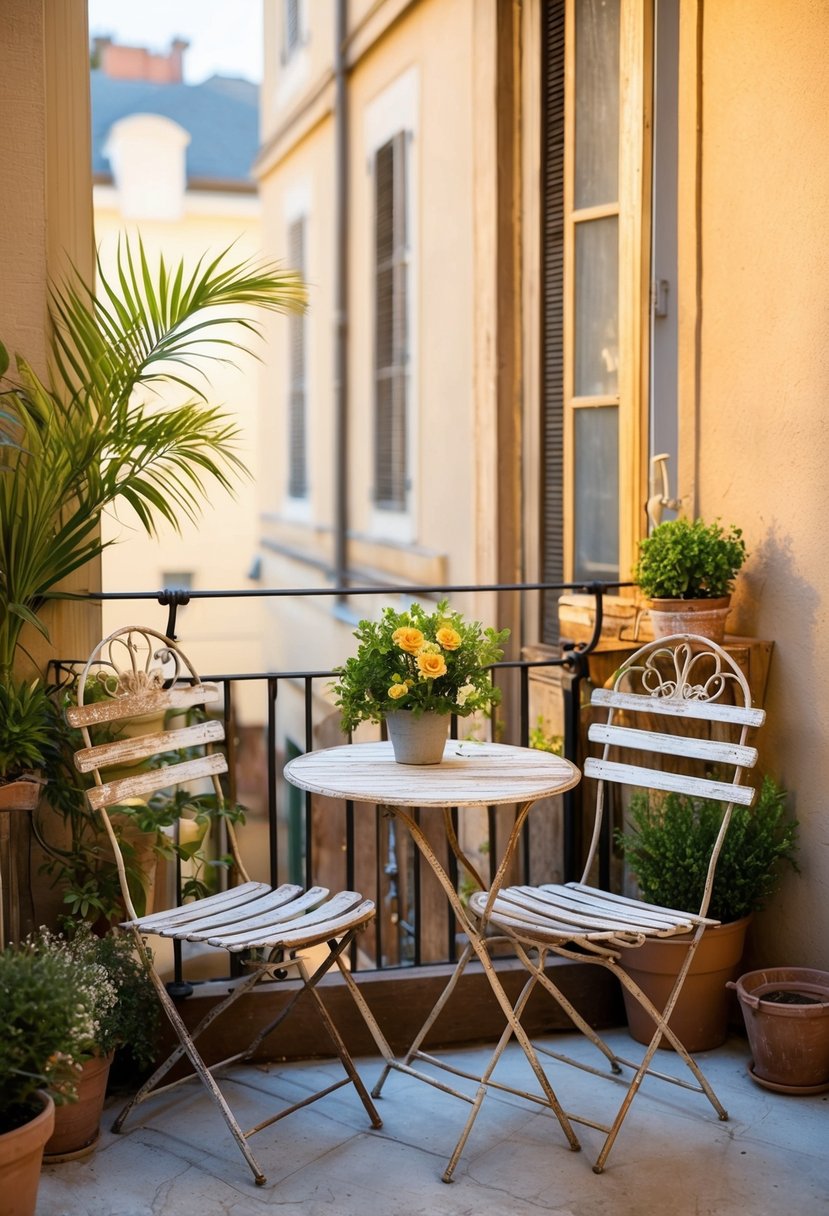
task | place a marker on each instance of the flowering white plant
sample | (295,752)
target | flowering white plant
(419,661)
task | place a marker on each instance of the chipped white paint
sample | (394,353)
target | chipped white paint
(470,774)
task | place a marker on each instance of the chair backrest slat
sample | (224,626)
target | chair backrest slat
(134,705)
(113,793)
(140,747)
(687,746)
(677,783)
(705,711)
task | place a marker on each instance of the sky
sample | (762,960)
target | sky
(225,36)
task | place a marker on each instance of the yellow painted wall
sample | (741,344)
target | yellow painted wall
(763,426)
(434,41)
(218,635)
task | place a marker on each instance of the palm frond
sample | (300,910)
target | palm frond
(75,446)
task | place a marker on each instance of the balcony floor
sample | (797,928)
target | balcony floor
(672,1154)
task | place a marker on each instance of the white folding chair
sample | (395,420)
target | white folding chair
(683,705)
(142,672)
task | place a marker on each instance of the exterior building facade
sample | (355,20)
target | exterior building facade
(549,241)
(748,301)
(172,162)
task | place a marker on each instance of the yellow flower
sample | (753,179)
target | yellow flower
(431,665)
(408,639)
(448,638)
(397,691)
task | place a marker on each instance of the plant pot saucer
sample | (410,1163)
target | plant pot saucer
(777,1088)
(76,1154)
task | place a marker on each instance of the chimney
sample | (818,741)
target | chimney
(137,63)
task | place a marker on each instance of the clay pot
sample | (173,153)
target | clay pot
(417,739)
(78,1124)
(700,1016)
(786,1012)
(21,1154)
(704,617)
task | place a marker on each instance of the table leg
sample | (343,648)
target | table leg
(475,934)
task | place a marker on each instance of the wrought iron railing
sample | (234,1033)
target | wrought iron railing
(359,847)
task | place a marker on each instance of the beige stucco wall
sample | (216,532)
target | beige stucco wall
(218,549)
(45,202)
(443,542)
(763,433)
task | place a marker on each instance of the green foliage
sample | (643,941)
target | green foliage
(419,661)
(542,741)
(132,1019)
(669,844)
(28,722)
(97,432)
(689,560)
(48,1009)
(86,871)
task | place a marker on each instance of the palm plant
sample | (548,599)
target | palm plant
(96,430)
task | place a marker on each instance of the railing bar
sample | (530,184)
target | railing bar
(453,877)
(273,848)
(586,588)
(415,855)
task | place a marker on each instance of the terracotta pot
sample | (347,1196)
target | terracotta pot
(786,1012)
(20,795)
(418,739)
(21,1154)
(78,1124)
(704,617)
(700,1016)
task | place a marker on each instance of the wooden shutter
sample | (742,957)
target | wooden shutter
(297,438)
(391,326)
(552,320)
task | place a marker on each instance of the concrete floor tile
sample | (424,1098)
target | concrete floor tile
(672,1154)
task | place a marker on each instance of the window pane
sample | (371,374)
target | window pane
(597,493)
(597,102)
(596,370)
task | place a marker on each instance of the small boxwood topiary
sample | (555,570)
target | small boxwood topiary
(685,559)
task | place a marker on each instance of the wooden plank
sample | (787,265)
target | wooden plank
(401,999)
(139,747)
(706,711)
(673,745)
(134,705)
(111,793)
(677,783)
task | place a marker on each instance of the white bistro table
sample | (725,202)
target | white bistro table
(470,774)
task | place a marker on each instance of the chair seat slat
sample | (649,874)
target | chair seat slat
(237,897)
(311,930)
(677,783)
(133,750)
(689,747)
(708,711)
(113,792)
(258,916)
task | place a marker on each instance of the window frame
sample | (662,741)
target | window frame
(394,113)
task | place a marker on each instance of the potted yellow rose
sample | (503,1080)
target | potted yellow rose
(414,669)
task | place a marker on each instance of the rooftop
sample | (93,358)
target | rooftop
(672,1153)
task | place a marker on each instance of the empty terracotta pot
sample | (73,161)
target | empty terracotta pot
(786,1013)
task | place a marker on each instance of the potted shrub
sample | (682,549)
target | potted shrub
(47,1014)
(125,1011)
(28,720)
(667,846)
(413,670)
(686,569)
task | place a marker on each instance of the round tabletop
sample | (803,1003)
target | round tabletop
(470,774)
